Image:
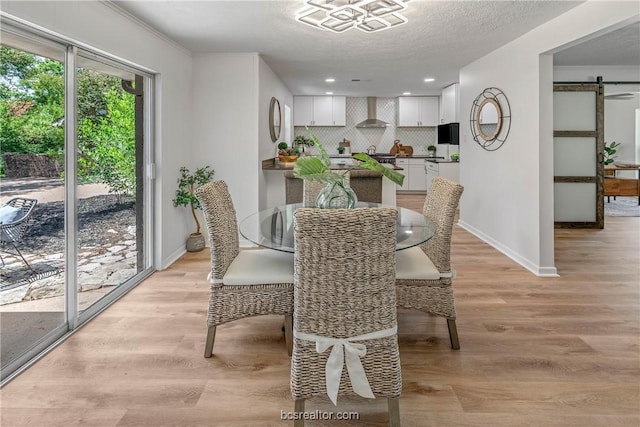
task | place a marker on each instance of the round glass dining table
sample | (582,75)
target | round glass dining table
(273,228)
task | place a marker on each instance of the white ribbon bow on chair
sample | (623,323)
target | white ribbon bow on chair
(337,358)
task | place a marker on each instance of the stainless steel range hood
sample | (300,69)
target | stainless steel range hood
(372,121)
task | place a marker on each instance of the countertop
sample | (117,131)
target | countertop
(274,165)
(419,156)
(442,161)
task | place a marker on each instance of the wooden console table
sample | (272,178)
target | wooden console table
(617,186)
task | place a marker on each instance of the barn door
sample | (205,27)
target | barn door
(578,140)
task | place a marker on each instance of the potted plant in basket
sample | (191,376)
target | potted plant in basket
(187,185)
(287,154)
(336,194)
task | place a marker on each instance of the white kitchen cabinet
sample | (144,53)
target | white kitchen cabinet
(418,111)
(339,107)
(302,110)
(319,110)
(450,170)
(449,104)
(414,174)
(432,172)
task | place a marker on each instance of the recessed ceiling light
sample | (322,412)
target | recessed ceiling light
(406,93)
(330,80)
(429,79)
(329,93)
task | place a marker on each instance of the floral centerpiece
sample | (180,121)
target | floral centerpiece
(336,194)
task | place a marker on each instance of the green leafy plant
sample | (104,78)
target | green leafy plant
(340,149)
(455,156)
(302,140)
(432,148)
(610,151)
(187,185)
(318,168)
(282,145)
(108,150)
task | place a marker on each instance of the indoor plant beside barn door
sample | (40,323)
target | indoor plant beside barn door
(187,185)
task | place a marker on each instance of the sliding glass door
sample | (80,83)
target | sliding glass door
(32,144)
(109,238)
(75,139)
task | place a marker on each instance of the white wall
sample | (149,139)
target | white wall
(270,184)
(225,123)
(100,26)
(508,197)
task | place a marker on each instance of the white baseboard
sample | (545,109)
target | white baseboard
(532,267)
(173,257)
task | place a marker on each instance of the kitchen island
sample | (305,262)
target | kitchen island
(275,171)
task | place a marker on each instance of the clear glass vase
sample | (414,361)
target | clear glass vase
(336,195)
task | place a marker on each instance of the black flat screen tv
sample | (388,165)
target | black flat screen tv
(449,134)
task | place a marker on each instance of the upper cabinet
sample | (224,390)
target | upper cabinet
(319,111)
(449,104)
(418,111)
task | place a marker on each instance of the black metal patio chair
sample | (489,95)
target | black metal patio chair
(15,217)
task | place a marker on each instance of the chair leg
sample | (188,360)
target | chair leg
(299,409)
(288,332)
(22,257)
(211,336)
(394,412)
(453,334)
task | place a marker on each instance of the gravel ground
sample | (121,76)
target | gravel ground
(102,221)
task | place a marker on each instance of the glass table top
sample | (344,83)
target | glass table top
(273,228)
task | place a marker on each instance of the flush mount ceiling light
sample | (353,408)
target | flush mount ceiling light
(341,15)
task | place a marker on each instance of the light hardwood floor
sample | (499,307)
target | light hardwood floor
(535,351)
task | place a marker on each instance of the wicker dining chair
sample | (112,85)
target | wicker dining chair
(311,189)
(423,273)
(344,297)
(243,283)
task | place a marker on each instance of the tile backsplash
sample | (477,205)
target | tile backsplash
(362,138)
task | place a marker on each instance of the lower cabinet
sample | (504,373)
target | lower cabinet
(450,170)
(414,174)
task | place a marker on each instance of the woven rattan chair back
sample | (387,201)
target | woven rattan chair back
(440,206)
(344,286)
(220,217)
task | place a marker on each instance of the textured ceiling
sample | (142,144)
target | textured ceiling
(620,47)
(439,39)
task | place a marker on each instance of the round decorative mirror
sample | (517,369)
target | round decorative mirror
(490,119)
(275,116)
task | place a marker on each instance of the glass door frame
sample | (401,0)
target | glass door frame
(73,318)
